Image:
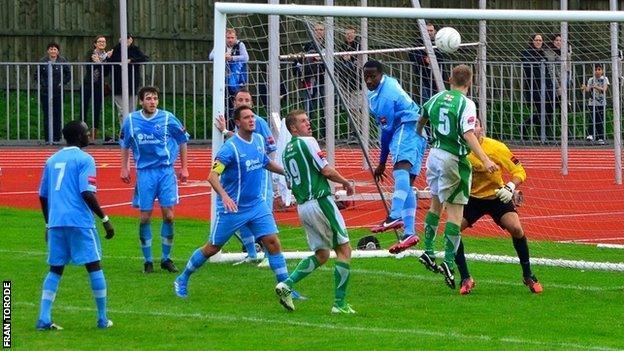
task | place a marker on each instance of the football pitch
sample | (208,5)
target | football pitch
(399,304)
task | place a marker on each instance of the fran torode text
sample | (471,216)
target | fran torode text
(6,314)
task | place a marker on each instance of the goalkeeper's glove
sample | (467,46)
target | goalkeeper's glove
(505,194)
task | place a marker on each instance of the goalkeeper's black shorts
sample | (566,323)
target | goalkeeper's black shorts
(477,208)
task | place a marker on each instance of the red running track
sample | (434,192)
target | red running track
(586,205)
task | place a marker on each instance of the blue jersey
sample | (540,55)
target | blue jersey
(391,105)
(244,171)
(154,141)
(68,173)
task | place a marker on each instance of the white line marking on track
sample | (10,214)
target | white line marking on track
(333,326)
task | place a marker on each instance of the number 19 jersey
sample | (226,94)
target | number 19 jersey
(303,160)
(451,114)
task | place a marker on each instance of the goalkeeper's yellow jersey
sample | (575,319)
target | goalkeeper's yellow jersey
(485,184)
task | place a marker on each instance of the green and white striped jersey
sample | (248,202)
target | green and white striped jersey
(450,114)
(303,160)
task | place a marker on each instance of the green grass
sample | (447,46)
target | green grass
(399,304)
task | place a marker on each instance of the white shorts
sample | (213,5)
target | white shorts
(449,176)
(323,224)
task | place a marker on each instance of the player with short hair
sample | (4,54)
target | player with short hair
(68,201)
(235,176)
(155,137)
(490,195)
(396,114)
(308,172)
(243,98)
(452,116)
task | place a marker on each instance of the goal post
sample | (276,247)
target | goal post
(569,184)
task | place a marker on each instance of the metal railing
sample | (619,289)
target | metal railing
(186,91)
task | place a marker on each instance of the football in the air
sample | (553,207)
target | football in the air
(448,39)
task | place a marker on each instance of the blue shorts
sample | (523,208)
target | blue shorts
(153,183)
(407,145)
(258,220)
(73,245)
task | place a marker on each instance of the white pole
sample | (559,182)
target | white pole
(563,83)
(364,101)
(424,13)
(433,60)
(615,84)
(482,68)
(218,93)
(274,90)
(123,34)
(330,129)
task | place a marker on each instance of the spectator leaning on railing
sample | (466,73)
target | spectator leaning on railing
(60,76)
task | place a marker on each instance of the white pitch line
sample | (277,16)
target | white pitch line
(333,326)
(180,196)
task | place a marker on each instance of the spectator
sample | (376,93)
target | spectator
(93,87)
(347,65)
(537,79)
(597,85)
(312,80)
(422,66)
(555,59)
(60,76)
(236,58)
(135,55)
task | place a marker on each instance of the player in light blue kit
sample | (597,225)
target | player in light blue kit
(236,173)
(397,114)
(67,196)
(155,137)
(243,98)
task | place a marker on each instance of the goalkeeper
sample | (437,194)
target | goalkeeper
(489,195)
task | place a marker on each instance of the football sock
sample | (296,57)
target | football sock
(409,212)
(145,236)
(460,260)
(401,188)
(50,286)
(249,242)
(341,279)
(432,221)
(304,268)
(98,286)
(197,260)
(522,249)
(278,265)
(451,242)
(166,236)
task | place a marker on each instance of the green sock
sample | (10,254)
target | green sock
(341,279)
(304,268)
(451,242)
(431,228)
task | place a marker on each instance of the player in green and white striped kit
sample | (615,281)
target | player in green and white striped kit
(452,116)
(308,172)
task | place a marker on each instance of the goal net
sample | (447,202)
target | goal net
(522,87)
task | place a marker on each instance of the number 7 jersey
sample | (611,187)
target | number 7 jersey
(450,114)
(303,161)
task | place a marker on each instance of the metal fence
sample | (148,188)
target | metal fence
(186,89)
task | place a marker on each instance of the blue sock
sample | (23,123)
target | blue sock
(409,213)
(50,286)
(166,236)
(249,241)
(98,286)
(277,262)
(145,236)
(197,260)
(401,189)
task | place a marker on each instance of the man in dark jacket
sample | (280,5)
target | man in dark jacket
(135,55)
(61,75)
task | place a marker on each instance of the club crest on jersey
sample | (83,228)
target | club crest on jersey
(157,127)
(448,98)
